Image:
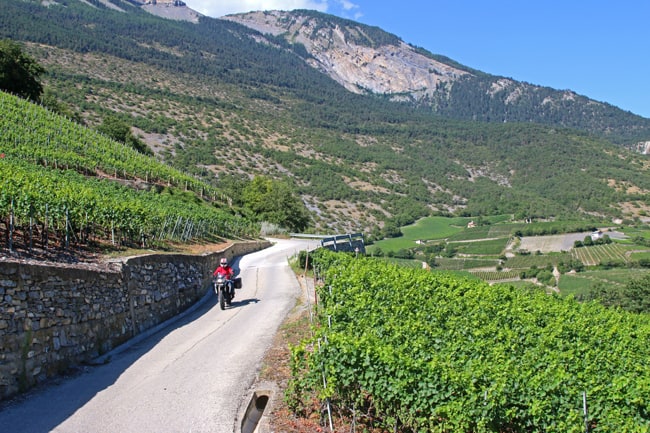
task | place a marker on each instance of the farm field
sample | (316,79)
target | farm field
(493,247)
(536,260)
(426,228)
(492,252)
(458,264)
(597,254)
(582,282)
(443,228)
(551,243)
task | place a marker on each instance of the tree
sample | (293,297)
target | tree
(276,202)
(635,296)
(118,130)
(19,72)
(391,230)
(49,100)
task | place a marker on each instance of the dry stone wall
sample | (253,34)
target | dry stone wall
(54,316)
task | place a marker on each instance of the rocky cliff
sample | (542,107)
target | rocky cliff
(397,68)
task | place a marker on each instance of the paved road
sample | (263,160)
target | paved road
(190,376)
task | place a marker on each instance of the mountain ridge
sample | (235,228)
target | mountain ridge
(390,67)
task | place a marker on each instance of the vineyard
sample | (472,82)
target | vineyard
(407,350)
(64,184)
(597,254)
(496,275)
(492,247)
(539,261)
(31,133)
(464,263)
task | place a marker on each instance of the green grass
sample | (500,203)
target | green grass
(470,234)
(640,256)
(493,247)
(539,261)
(574,285)
(634,232)
(458,264)
(417,264)
(432,228)
(582,282)
(392,244)
(441,228)
(485,232)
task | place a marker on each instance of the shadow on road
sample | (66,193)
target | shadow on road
(243,302)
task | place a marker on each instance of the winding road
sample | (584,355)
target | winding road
(192,375)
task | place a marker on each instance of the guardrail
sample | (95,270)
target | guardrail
(349,243)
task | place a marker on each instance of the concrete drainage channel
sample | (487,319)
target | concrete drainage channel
(254,419)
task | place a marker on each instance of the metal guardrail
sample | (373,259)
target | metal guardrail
(351,242)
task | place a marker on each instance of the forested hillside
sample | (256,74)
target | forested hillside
(211,100)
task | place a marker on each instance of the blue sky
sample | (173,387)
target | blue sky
(597,48)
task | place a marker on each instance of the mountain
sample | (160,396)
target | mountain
(171,9)
(362,59)
(366,59)
(226,102)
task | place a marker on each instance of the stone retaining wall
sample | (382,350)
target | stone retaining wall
(55,316)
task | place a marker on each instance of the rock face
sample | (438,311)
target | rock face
(643,147)
(171,9)
(395,68)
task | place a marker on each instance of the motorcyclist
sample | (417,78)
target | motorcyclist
(225,269)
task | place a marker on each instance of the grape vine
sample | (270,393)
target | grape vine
(413,350)
(50,183)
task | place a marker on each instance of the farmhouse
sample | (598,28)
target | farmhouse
(598,234)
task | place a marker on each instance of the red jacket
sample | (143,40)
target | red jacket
(227,270)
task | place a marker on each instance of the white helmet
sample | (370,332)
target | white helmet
(223,261)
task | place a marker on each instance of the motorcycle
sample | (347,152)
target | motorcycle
(223,288)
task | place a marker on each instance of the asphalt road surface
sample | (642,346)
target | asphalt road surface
(192,375)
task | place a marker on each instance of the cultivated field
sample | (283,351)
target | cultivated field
(551,243)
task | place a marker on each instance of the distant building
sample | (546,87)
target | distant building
(596,235)
(471,224)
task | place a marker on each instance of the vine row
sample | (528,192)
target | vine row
(411,350)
